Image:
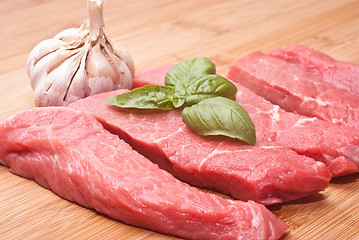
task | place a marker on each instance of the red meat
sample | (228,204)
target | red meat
(337,146)
(265,172)
(295,90)
(71,153)
(341,74)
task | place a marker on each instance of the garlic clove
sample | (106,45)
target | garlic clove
(72,34)
(122,53)
(79,86)
(52,86)
(73,37)
(40,69)
(46,65)
(122,70)
(102,74)
(41,50)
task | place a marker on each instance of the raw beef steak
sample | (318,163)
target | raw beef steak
(265,172)
(337,146)
(156,74)
(341,74)
(72,154)
(295,90)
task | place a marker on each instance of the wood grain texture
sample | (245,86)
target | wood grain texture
(158,32)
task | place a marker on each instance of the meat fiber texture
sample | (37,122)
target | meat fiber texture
(265,173)
(295,90)
(341,74)
(337,146)
(71,153)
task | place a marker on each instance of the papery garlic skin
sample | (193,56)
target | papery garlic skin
(78,62)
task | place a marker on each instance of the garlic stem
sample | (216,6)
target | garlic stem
(95,18)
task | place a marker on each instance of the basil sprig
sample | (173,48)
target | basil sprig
(206,98)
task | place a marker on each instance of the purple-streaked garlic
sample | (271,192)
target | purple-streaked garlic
(79,62)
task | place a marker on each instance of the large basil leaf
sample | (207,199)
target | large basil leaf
(194,80)
(187,71)
(220,116)
(146,97)
(209,86)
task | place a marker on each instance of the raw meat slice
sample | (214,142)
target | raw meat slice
(337,146)
(72,154)
(295,90)
(341,74)
(265,173)
(157,76)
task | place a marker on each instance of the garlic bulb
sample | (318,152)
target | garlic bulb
(78,62)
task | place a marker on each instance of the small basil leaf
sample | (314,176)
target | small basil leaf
(178,100)
(146,97)
(220,116)
(187,71)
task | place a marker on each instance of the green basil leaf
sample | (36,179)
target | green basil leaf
(178,100)
(220,116)
(187,71)
(194,80)
(194,99)
(209,86)
(215,85)
(146,97)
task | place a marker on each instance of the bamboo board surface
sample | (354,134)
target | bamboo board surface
(158,32)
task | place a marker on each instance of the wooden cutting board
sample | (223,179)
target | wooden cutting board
(158,32)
